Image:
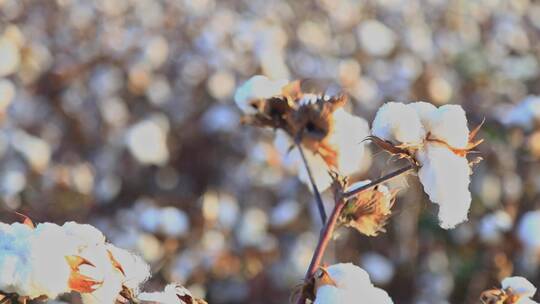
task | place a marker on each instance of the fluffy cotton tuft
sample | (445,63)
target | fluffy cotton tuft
(519,286)
(170,295)
(436,137)
(349,133)
(257,87)
(528,228)
(352,285)
(493,225)
(346,138)
(522,115)
(39,262)
(398,123)
(449,123)
(445,177)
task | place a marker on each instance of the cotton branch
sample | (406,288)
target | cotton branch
(316,192)
(330,226)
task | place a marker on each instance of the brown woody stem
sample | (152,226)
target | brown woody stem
(316,192)
(328,229)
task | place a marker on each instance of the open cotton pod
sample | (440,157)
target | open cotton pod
(515,290)
(437,141)
(346,283)
(331,137)
(369,210)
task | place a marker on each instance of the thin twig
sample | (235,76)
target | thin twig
(318,197)
(328,229)
(378,181)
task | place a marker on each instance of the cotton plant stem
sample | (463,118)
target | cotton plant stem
(378,181)
(318,197)
(328,229)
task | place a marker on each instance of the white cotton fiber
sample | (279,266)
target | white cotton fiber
(528,230)
(135,269)
(519,286)
(424,110)
(347,137)
(445,178)
(399,124)
(257,87)
(352,286)
(449,123)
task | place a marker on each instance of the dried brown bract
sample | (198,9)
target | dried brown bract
(499,296)
(369,210)
(305,117)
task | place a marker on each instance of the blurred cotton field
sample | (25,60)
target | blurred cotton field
(121,114)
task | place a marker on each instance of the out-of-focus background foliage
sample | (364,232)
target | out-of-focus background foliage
(120,114)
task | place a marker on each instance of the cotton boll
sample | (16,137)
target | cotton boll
(173,222)
(424,110)
(147,141)
(136,271)
(380,269)
(520,286)
(348,135)
(399,124)
(352,284)
(84,234)
(526,301)
(528,228)
(449,124)
(102,270)
(257,87)
(524,114)
(445,178)
(14,257)
(492,225)
(50,271)
(329,294)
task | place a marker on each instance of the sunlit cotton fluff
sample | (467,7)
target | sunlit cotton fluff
(349,284)
(399,124)
(256,88)
(38,262)
(433,136)
(521,287)
(528,229)
(347,138)
(33,260)
(170,295)
(523,114)
(445,177)
(493,225)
